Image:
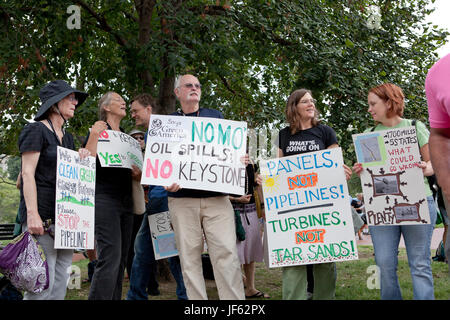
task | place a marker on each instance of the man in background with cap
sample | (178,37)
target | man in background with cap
(143,269)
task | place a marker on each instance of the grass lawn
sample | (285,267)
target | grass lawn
(352,280)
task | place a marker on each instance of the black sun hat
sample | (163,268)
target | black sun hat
(55,91)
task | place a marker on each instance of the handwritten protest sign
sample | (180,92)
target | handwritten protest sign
(75,201)
(118,149)
(308,214)
(392,183)
(195,152)
(163,237)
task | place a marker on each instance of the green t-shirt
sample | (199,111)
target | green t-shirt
(422,135)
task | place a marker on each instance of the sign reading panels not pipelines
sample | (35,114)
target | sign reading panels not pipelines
(75,201)
(392,183)
(196,153)
(308,213)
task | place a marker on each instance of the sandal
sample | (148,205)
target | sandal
(259,294)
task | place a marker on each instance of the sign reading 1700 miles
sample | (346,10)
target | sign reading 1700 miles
(196,153)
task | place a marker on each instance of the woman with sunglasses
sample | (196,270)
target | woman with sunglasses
(38,142)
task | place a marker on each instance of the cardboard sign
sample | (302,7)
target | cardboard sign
(118,149)
(392,183)
(163,237)
(75,201)
(195,152)
(308,213)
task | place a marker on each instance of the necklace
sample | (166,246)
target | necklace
(60,142)
(184,114)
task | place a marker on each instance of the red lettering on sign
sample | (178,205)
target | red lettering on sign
(309,236)
(302,181)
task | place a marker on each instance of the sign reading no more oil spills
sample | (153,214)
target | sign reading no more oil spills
(196,153)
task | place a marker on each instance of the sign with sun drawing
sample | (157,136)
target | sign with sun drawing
(392,183)
(308,213)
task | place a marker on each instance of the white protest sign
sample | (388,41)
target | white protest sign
(163,237)
(196,153)
(392,183)
(308,213)
(118,149)
(75,201)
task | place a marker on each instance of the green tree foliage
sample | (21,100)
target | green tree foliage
(9,200)
(14,166)
(249,55)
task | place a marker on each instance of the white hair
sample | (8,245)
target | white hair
(105,100)
(177,81)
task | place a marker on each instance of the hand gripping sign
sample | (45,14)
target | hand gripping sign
(118,149)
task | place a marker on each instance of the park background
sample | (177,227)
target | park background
(248,55)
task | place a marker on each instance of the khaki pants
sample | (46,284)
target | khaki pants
(215,217)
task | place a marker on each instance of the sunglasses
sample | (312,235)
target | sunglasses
(139,138)
(72,99)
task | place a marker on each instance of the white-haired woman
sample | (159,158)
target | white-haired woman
(113,207)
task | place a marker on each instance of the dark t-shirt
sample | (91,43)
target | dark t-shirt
(37,137)
(194,193)
(316,138)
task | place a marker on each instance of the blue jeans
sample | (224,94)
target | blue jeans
(144,258)
(417,239)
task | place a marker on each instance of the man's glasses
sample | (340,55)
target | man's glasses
(192,85)
(139,138)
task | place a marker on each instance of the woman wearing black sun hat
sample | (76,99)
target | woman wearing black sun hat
(38,142)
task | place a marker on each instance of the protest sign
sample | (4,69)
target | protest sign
(392,183)
(308,213)
(118,149)
(196,153)
(163,237)
(75,201)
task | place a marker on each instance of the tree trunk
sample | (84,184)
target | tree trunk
(167,100)
(144,9)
